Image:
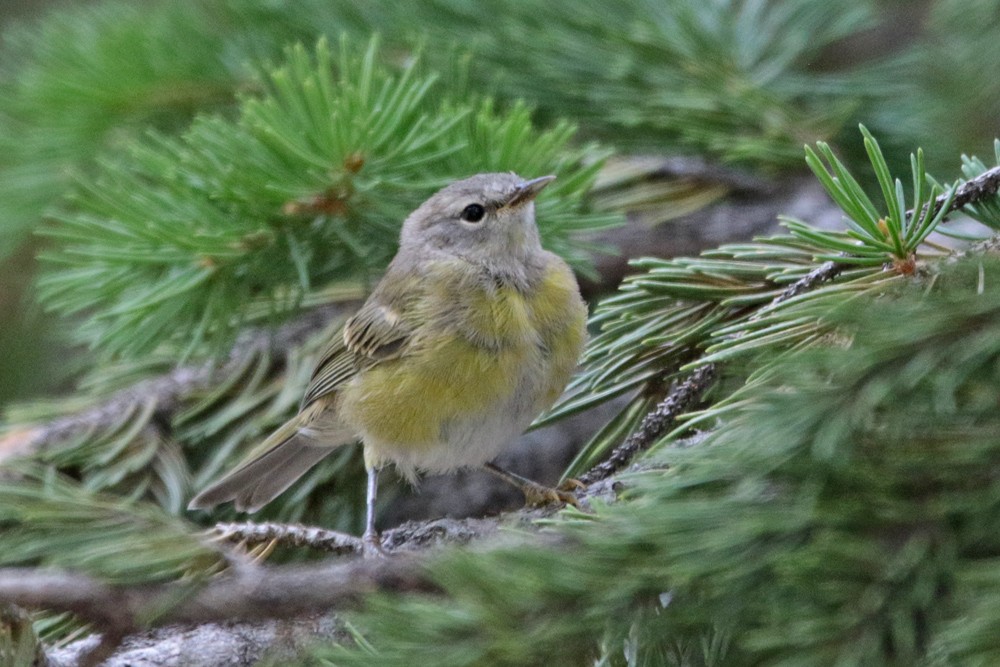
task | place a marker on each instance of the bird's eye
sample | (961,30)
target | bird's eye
(473,213)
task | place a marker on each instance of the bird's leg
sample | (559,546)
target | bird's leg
(535,493)
(371,541)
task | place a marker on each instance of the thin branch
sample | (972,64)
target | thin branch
(987,184)
(410,536)
(251,595)
(251,534)
(823,273)
(246,594)
(682,395)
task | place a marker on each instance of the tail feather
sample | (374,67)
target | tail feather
(283,458)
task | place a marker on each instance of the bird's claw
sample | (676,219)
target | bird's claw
(537,495)
(571,484)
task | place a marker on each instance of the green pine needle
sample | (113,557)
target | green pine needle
(48,520)
(182,239)
(682,313)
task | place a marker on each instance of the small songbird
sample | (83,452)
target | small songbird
(472,332)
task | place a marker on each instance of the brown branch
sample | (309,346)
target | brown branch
(249,592)
(227,644)
(823,273)
(235,613)
(250,534)
(682,395)
(409,536)
(987,184)
(246,594)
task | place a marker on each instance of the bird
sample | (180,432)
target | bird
(473,331)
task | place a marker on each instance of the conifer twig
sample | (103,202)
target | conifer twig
(682,394)
(986,184)
(248,594)
(688,390)
(166,391)
(825,272)
(408,536)
(294,535)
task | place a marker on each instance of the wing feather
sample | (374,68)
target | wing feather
(374,334)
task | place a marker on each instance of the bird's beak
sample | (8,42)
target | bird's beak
(528,190)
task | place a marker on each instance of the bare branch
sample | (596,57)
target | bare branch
(207,645)
(409,536)
(987,184)
(247,594)
(251,534)
(682,395)
(241,615)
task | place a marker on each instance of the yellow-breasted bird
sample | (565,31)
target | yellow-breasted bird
(472,332)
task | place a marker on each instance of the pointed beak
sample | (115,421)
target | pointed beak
(528,190)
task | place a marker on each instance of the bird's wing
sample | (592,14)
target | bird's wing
(376,333)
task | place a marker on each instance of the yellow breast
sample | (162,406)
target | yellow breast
(485,352)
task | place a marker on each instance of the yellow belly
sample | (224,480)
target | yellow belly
(408,401)
(467,389)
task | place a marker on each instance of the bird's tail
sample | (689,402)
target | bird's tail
(270,469)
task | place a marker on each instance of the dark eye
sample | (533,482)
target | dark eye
(473,213)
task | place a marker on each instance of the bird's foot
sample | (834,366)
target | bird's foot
(539,495)
(571,484)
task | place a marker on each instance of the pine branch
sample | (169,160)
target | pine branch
(683,395)
(410,536)
(167,392)
(247,592)
(243,601)
(823,273)
(975,190)
(269,534)
(688,390)
(226,644)
(250,594)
